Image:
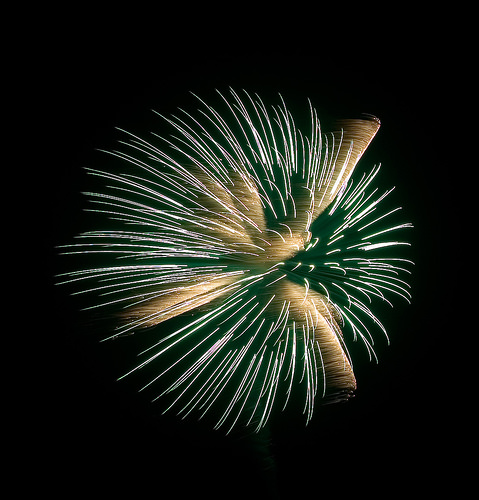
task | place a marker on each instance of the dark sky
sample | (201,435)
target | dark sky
(91,78)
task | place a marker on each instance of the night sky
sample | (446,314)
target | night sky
(102,436)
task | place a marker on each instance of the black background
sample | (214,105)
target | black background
(92,73)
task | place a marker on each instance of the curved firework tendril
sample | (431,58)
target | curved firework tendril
(258,236)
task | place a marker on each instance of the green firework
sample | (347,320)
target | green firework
(250,252)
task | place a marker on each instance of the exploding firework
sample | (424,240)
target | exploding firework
(247,249)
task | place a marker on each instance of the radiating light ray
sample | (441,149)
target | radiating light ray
(254,246)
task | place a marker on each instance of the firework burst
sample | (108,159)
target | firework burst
(254,236)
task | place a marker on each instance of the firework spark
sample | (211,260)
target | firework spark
(256,237)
